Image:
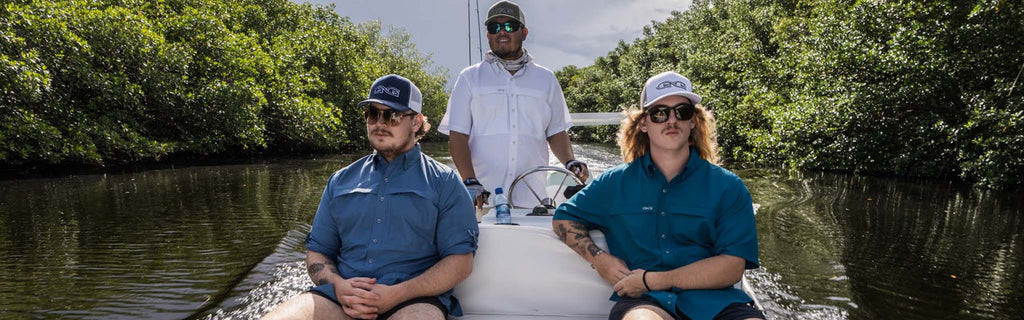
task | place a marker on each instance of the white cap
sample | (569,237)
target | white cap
(667,84)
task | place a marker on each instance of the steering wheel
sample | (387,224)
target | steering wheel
(548,197)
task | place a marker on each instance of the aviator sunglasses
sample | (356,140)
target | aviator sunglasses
(391,117)
(508,26)
(659,114)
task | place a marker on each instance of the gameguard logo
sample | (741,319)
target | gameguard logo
(391,91)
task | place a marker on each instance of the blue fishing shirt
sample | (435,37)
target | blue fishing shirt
(393,221)
(656,225)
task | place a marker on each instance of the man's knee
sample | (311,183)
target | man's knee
(306,306)
(418,311)
(647,312)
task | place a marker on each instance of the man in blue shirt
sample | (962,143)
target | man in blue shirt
(680,229)
(395,230)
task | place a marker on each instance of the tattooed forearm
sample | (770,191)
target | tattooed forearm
(316,268)
(579,240)
(560,232)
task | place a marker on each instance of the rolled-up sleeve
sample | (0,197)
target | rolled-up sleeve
(324,237)
(736,232)
(458,116)
(457,230)
(587,206)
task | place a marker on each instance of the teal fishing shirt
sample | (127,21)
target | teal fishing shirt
(656,225)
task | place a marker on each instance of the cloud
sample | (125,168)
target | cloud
(561,32)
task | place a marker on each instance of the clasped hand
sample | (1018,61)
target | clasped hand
(363,298)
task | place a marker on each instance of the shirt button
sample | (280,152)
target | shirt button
(663,236)
(375,240)
(381,198)
(666,251)
(370,260)
(664,190)
(385,180)
(663,213)
(379,220)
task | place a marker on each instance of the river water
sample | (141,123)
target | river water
(227,242)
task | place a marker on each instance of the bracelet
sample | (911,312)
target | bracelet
(644,277)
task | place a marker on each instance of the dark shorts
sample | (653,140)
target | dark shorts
(735,311)
(327,291)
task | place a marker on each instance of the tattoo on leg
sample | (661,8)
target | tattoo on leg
(322,281)
(593,249)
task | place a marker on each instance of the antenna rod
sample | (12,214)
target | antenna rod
(469,32)
(480,41)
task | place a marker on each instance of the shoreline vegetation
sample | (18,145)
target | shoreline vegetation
(921,89)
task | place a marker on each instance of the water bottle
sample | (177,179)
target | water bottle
(501,208)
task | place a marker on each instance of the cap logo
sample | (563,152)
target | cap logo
(507,11)
(391,91)
(666,84)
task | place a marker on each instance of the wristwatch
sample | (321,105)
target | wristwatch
(470,181)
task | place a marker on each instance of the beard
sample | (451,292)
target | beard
(391,144)
(508,52)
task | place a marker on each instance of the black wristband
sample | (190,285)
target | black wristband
(471,181)
(644,277)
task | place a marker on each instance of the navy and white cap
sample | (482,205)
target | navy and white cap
(396,92)
(667,84)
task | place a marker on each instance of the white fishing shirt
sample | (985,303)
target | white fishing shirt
(508,119)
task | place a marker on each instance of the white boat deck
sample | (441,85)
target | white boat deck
(526,272)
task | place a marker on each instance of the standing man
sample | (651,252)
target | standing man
(395,230)
(680,229)
(504,112)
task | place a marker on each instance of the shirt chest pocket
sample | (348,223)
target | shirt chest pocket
(533,110)
(412,215)
(490,111)
(692,227)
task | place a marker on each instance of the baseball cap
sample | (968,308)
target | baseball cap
(667,84)
(396,92)
(506,9)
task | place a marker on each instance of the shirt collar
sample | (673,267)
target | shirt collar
(691,164)
(403,160)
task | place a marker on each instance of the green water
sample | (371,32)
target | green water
(226,241)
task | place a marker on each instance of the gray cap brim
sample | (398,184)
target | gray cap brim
(694,99)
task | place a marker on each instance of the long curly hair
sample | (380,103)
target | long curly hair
(634,143)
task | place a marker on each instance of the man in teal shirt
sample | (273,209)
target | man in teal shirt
(680,229)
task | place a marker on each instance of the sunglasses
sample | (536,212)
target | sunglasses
(508,26)
(659,114)
(392,118)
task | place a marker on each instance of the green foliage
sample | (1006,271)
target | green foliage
(105,81)
(914,88)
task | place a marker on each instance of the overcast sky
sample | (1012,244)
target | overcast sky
(562,32)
